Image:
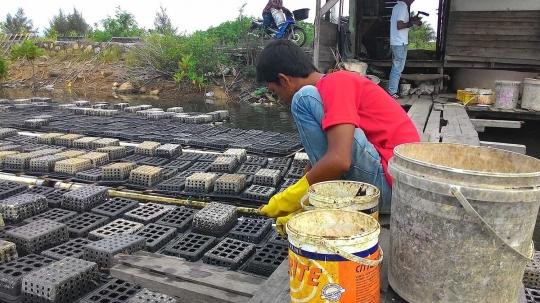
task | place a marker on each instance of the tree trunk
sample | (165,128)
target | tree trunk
(33,74)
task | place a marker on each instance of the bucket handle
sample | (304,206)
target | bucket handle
(468,207)
(328,245)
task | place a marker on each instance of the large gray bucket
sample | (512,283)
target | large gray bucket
(462,222)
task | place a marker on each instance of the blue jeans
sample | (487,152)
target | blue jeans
(308,112)
(267,20)
(399,55)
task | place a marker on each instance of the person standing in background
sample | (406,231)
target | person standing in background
(400,23)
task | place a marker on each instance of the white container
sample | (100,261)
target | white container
(279,17)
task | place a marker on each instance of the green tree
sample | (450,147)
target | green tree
(122,25)
(422,37)
(4,68)
(28,51)
(162,23)
(17,24)
(59,24)
(77,24)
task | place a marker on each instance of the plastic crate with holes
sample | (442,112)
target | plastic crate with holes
(148,213)
(157,236)
(114,152)
(115,291)
(104,142)
(50,138)
(118,226)
(81,225)
(37,236)
(216,219)
(55,214)
(73,248)
(72,166)
(147,148)
(267,259)
(267,177)
(240,154)
(115,207)
(84,142)
(65,281)
(12,273)
(229,253)
(224,164)
(190,246)
(230,184)
(147,296)
(19,162)
(69,154)
(117,171)
(103,251)
(15,209)
(96,159)
(201,183)
(146,176)
(7,132)
(169,150)
(67,140)
(44,164)
(85,198)
(89,176)
(8,251)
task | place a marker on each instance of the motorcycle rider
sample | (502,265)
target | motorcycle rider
(267,13)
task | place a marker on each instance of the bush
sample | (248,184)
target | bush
(110,54)
(4,68)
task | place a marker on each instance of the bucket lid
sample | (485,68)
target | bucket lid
(506,82)
(342,192)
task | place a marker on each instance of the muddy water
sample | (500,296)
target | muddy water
(269,117)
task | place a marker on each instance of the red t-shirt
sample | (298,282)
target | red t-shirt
(349,98)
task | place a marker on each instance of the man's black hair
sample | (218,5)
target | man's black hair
(283,57)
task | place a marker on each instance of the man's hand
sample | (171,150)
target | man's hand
(288,201)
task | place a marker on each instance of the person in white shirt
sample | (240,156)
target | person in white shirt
(399,41)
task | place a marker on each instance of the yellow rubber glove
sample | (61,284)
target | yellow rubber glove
(282,221)
(288,201)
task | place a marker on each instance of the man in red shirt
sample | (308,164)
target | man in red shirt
(348,125)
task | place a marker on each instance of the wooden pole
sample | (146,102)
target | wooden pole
(352,23)
(317,37)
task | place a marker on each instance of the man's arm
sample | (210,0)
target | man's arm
(338,157)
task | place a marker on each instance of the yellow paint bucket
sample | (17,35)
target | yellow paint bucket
(334,256)
(346,195)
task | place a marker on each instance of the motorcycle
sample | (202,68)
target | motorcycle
(288,29)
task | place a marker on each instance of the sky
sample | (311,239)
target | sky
(188,16)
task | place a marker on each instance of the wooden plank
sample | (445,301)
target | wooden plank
(419,113)
(516,24)
(412,100)
(496,31)
(486,59)
(183,291)
(329,4)
(210,276)
(491,52)
(497,123)
(461,139)
(474,37)
(493,19)
(317,35)
(496,44)
(495,14)
(516,148)
(403,100)
(433,125)
(276,288)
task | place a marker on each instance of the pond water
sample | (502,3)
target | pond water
(267,117)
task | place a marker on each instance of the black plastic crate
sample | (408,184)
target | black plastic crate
(38,236)
(254,160)
(91,175)
(147,296)
(12,273)
(251,230)
(65,281)
(55,198)
(248,169)
(179,218)
(189,157)
(284,148)
(229,253)
(157,236)
(216,219)
(4,229)
(80,226)
(115,207)
(8,189)
(288,182)
(201,166)
(85,198)
(172,185)
(73,248)
(207,157)
(118,226)
(258,193)
(267,259)
(103,251)
(169,172)
(295,172)
(133,159)
(55,214)
(278,161)
(276,238)
(179,165)
(148,213)
(115,291)
(40,190)
(190,246)
(281,168)
(153,161)
(19,207)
